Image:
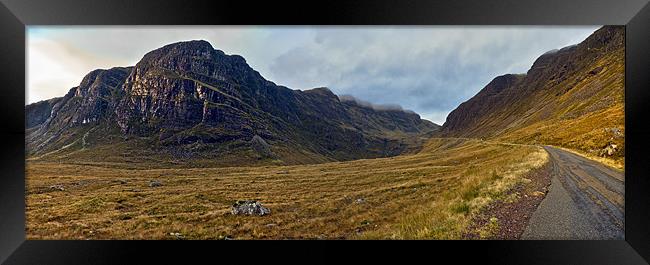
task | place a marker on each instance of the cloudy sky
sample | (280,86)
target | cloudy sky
(429,70)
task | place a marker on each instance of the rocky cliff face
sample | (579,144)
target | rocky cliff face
(39,112)
(572,97)
(189,100)
(89,103)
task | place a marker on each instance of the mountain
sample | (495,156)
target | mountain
(188,102)
(572,97)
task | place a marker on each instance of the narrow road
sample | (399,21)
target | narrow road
(585,201)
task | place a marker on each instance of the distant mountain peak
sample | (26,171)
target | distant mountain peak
(324,91)
(192,45)
(198,49)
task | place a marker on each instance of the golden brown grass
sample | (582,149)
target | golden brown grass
(581,120)
(582,110)
(585,135)
(431,194)
(616,164)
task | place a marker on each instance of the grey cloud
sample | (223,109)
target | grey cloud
(428,70)
(371,105)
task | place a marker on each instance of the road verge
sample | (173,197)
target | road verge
(507,218)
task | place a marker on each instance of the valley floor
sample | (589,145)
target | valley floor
(432,194)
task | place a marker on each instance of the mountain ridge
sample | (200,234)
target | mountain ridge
(190,95)
(187,100)
(572,97)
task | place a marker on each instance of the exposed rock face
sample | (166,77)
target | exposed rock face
(39,112)
(89,103)
(182,85)
(190,99)
(569,97)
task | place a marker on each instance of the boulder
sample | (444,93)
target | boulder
(177,235)
(154,183)
(615,131)
(261,147)
(609,150)
(58,187)
(248,207)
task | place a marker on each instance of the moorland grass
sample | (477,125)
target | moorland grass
(431,194)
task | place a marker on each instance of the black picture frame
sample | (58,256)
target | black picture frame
(16,14)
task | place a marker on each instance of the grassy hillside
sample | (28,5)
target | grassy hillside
(571,98)
(431,194)
(587,117)
(103,145)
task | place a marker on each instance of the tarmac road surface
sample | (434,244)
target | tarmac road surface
(585,201)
